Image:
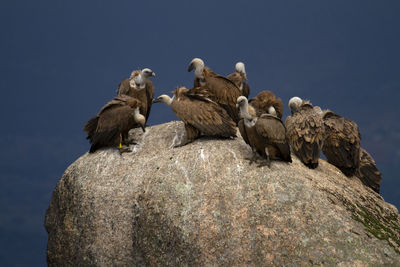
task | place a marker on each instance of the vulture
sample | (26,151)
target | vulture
(216,87)
(140,87)
(341,142)
(264,100)
(240,79)
(111,125)
(367,172)
(305,131)
(199,114)
(265,134)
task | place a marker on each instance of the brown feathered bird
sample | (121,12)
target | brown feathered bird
(341,143)
(219,89)
(264,101)
(139,86)
(201,115)
(305,131)
(111,125)
(239,78)
(368,172)
(265,134)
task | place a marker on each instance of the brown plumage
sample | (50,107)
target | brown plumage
(341,143)
(266,134)
(111,125)
(201,115)
(219,89)
(368,172)
(305,131)
(239,78)
(264,100)
(140,87)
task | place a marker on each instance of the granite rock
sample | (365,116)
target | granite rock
(204,204)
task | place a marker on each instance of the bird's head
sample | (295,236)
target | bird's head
(272,111)
(148,73)
(241,101)
(294,104)
(195,64)
(163,99)
(239,67)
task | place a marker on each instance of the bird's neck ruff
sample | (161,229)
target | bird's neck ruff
(250,123)
(241,69)
(138,82)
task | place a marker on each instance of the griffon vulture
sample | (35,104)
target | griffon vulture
(239,78)
(111,125)
(266,134)
(264,100)
(140,87)
(341,143)
(305,131)
(219,89)
(200,115)
(367,172)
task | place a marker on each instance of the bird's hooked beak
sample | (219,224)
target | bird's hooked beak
(237,105)
(153,74)
(191,67)
(158,100)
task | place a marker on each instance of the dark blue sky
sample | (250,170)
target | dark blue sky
(61,61)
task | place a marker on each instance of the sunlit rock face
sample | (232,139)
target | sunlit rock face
(203,204)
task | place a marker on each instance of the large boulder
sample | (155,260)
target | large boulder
(204,204)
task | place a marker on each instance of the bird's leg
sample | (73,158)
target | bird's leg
(123,149)
(126,141)
(254,156)
(267,162)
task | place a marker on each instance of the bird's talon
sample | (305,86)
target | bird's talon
(124,150)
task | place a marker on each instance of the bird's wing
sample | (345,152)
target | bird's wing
(123,87)
(149,96)
(271,128)
(368,172)
(206,116)
(119,101)
(342,141)
(243,132)
(236,78)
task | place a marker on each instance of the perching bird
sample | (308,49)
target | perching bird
(219,89)
(266,134)
(368,172)
(111,125)
(140,87)
(305,131)
(201,115)
(239,78)
(341,142)
(264,100)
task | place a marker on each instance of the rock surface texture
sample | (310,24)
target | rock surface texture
(203,204)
